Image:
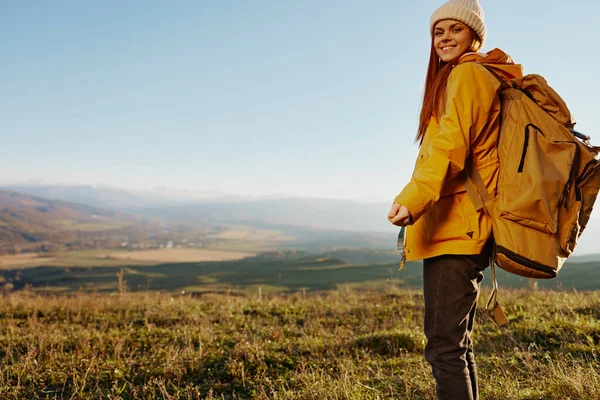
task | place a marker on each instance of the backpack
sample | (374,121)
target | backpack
(549,178)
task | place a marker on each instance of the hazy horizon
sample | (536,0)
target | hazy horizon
(369,216)
(174,191)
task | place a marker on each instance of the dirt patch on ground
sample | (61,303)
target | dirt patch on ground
(24,259)
(180,255)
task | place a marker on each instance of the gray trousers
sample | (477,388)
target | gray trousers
(451,288)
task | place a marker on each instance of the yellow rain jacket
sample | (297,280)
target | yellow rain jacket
(444,218)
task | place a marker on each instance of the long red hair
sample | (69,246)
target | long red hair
(435,87)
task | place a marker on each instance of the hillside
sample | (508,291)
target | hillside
(227,224)
(111,197)
(313,213)
(316,224)
(218,208)
(586,257)
(33,223)
(37,224)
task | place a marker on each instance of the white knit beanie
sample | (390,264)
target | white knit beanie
(469,12)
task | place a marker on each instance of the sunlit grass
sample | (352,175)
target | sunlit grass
(258,344)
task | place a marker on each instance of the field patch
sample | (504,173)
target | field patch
(252,235)
(225,271)
(180,255)
(24,259)
(119,258)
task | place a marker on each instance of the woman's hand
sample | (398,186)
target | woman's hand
(399,215)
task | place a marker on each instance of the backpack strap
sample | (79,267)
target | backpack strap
(502,81)
(479,195)
(474,185)
(493,305)
(472,191)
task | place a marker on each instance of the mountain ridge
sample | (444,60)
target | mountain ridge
(31,223)
(301,215)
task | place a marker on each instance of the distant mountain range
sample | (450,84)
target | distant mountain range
(587,258)
(310,220)
(214,207)
(33,223)
(322,214)
(38,224)
(110,197)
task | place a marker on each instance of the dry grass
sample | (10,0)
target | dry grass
(180,255)
(100,258)
(27,259)
(343,344)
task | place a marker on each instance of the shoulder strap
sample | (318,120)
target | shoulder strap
(493,305)
(502,81)
(470,177)
(477,192)
(474,185)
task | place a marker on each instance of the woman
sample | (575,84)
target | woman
(458,124)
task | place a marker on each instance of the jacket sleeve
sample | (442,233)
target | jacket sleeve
(470,94)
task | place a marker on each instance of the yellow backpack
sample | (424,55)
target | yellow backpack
(548,181)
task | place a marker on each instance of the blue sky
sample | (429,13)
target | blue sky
(303,98)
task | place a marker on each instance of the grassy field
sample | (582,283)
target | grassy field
(179,255)
(340,344)
(271,272)
(99,258)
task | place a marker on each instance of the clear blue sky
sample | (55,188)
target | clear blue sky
(308,98)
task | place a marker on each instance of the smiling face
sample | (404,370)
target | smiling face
(452,39)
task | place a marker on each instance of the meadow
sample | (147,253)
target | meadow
(270,272)
(343,324)
(109,257)
(337,344)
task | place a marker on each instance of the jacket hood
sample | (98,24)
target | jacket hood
(497,60)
